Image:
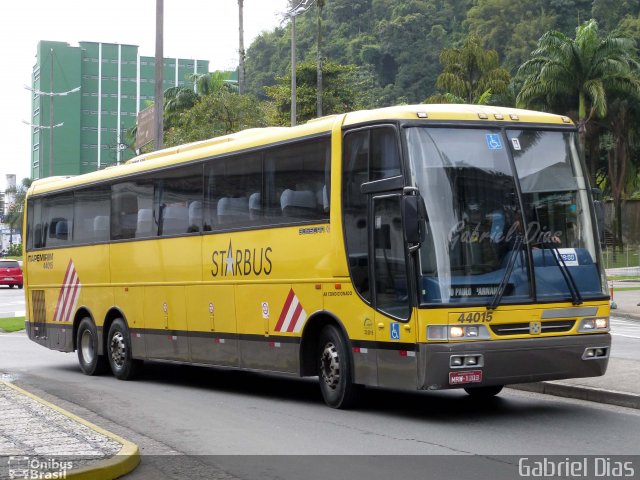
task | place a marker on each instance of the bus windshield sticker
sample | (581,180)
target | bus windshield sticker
(516,144)
(493,141)
(569,256)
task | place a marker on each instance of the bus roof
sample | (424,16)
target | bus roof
(255,137)
(457,112)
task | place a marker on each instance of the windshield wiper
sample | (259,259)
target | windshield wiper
(517,245)
(576,298)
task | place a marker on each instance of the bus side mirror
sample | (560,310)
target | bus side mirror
(413,214)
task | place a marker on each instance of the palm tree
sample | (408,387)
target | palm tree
(471,74)
(581,70)
(179,99)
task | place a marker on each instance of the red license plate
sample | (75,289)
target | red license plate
(462,377)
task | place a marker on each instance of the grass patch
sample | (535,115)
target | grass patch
(12,324)
(625,289)
(623,277)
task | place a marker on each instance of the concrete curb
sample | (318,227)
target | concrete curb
(125,461)
(591,394)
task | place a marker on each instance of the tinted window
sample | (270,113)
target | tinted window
(132,212)
(385,154)
(91,215)
(57,220)
(179,194)
(234,188)
(297,179)
(288,185)
(356,172)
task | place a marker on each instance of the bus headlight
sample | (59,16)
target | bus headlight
(458,332)
(596,324)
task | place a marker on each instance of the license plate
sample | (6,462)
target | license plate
(468,376)
(8,278)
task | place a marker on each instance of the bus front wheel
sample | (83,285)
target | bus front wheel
(123,366)
(334,369)
(87,345)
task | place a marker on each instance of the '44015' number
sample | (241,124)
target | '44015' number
(475,317)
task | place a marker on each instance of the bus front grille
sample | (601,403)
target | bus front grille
(524,328)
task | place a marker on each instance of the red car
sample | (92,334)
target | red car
(10,273)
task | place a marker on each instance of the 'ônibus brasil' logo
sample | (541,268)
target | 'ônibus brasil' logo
(241,262)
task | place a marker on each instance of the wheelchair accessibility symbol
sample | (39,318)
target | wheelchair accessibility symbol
(395,330)
(493,141)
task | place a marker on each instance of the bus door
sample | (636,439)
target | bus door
(395,328)
(372,197)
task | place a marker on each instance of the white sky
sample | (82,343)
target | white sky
(202,29)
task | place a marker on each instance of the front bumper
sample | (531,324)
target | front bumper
(514,361)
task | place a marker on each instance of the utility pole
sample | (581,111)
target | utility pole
(241,51)
(158,97)
(320,5)
(293,70)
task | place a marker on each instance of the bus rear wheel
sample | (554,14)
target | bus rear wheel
(87,346)
(334,369)
(123,366)
(484,392)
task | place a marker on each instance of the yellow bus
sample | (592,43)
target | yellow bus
(413,247)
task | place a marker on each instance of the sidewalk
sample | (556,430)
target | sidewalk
(621,384)
(40,440)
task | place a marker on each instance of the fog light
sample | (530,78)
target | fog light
(470,361)
(589,352)
(600,352)
(456,361)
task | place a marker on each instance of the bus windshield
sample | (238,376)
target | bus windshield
(480,234)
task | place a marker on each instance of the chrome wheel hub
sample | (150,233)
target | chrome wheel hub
(330,365)
(118,349)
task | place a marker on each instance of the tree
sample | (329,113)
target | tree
(471,74)
(623,118)
(217,114)
(582,70)
(346,87)
(14,215)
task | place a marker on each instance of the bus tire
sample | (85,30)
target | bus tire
(87,346)
(334,369)
(484,392)
(123,366)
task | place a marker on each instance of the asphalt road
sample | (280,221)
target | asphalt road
(219,423)
(11,301)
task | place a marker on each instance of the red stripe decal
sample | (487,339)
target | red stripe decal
(295,318)
(285,309)
(63,290)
